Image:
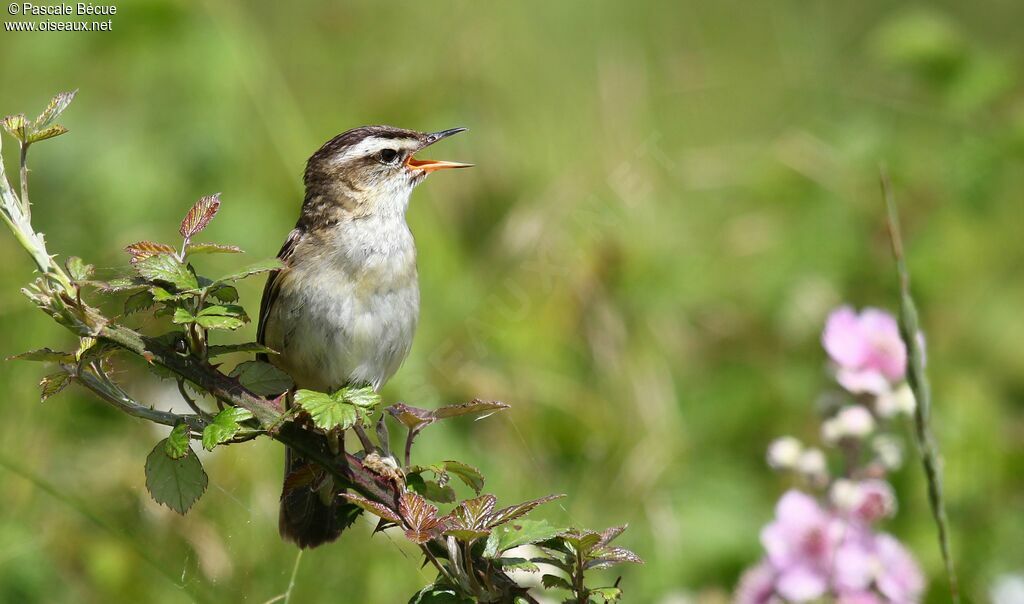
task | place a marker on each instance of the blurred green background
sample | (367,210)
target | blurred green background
(669,198)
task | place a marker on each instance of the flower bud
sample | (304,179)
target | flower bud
(889,451)
(812,463)
(896,402)
(851,422)
(784,452)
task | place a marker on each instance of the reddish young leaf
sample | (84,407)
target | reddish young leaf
(140,250)
(200,215)
(421,520)
(515,511)
(373,507)
(476,406)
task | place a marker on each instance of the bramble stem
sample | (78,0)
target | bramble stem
(917,377)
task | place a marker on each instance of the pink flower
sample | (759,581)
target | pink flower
(866,560)
(899,578)
(866,501)
(801,543)
(867,349)
(757,585)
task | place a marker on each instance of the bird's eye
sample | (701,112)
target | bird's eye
(388,156)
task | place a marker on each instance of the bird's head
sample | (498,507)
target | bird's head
(372,169)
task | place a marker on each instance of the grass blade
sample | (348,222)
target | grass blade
(917,377)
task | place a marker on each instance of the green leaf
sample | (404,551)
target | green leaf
(225,425)
(262,378)
(57,106)
(582,540)
(166,268)
(522,564)
(53,384)
(44,134)
(139,301)
(44,355)
(182,316)
(220,349)
(473,478)
(219,322)
(199,215)
(328,411)
(608,594)
(176,483)
(211,248)
(431,489)
(524,532)
(176,445)
(554,581)
(361,397)
(224,293)
(439,593)
(78,270)
(263,266)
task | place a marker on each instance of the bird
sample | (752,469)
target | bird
(343,309)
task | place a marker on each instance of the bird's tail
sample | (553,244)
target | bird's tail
(312,513)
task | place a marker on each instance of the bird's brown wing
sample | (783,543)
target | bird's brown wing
(273,286)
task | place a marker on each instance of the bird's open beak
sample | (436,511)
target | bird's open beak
(432,165)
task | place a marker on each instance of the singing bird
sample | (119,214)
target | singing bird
(344,308)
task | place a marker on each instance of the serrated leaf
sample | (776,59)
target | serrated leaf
(43,355)
(555,582)
(57,106)
(263,266)
(439,594)
(212,248)
(16,126)
(176,444)
(224,425)
(374,508)
(582,541)
(176,483)
(430,489)
(41,135)
(182,316)
(473,407)
(473,478)
(225,293)
(199,215)
(365,397)
(520,564)
(524,532)
(53,384)
(120,285)
(421,520)
(609,556)
(411,417)
(140,250)
(138,301)
(166,268)
(78,270)
(262,378)
(220,349)
(225,310)
(515,511)
(328,411)
(608,594)
(219,322)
